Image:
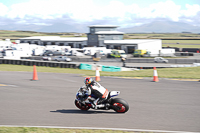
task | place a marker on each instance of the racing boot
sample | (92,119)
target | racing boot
(97,104)
(100,106)
(106,106)
(94,104)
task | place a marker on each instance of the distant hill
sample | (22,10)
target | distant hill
(56,27)
(162,27)
(156,27)
(60,27)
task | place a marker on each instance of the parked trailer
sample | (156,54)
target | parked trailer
(167,52)
(161,52)
(152,53)
(93,50)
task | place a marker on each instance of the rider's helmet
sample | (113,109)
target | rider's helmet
(88,81)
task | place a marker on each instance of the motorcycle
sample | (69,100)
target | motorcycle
(84,102)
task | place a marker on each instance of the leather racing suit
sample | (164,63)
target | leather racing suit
(94,88)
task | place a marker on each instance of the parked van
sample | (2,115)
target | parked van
(118,54)
(139,52)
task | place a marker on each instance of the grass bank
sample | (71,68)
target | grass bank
(13,35)
(184,73)
(161,36)
(53,130)
(181,46)
(182,41)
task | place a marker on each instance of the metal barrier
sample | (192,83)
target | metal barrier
(173,61)
(132,60)
(39,63)
(29,62)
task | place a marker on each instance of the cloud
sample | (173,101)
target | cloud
(191,10)
(166,9)
(48,12)
(4,10)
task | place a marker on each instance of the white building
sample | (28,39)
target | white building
(130,45)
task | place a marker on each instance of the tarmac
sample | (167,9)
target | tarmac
(164,106)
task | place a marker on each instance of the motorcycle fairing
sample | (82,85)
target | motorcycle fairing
(114,93)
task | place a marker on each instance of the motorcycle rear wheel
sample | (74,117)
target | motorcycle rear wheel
(119,105)
(81,106)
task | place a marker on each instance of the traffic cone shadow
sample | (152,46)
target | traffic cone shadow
(97,74)
(35,77)
(155,75)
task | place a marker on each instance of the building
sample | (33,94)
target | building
(99,33)
(130,45)
(74,42)
(98,36)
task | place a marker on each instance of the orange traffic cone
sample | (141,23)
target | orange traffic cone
(35,77)
(155,75)
(97,75)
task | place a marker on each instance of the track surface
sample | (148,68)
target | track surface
(166,105)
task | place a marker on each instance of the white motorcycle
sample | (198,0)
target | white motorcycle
(84,102)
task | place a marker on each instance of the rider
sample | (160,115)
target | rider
(99,91)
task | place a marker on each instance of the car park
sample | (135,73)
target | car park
(160,60)
(62,58)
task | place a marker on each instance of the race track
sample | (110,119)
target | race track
(166,105)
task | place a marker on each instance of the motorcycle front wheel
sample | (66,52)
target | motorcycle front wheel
(119,105)
(81,106)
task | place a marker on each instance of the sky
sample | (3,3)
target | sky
(37,14)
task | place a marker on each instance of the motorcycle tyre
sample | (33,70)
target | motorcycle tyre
(84,107)
(119,105)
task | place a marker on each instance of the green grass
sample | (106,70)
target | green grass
(182,41)
(181,46)
(185,72)
(20,34)
(53,130)
(4,34)
(162,36)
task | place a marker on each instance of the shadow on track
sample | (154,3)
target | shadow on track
(76,111)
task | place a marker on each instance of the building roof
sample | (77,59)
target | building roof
(55,38)
(39,37)
(66,39)
(109,32)
(132,41)
(103,26)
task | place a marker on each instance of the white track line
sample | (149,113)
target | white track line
(12,85)
(8,85)
(96,128)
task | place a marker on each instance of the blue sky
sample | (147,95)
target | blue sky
(141,3)
(124,13)
(146,3)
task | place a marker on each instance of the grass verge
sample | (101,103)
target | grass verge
(54,130)
(184,73)
(181,46)
(182,41)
